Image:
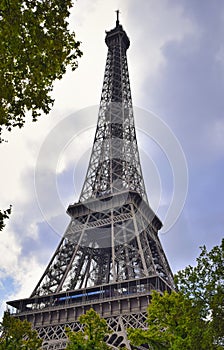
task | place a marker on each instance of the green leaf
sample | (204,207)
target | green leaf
(3,216)
(17,334)
(92,337)
(36,47)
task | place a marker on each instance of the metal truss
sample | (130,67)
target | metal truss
(114,164)
(106,242)
(54,337)
(110,256)
(123,304)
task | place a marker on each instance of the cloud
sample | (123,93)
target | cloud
(10,250)
(215,134)
(153,25)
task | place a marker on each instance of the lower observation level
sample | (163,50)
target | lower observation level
(122,304)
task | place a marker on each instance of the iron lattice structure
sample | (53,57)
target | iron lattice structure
(110,257)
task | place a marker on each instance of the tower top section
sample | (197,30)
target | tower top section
(114,165)
(117,36)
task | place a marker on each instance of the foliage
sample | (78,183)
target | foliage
(3,216)
(92,336)
(192,318)
(36,46)
(17,334)
(173,323)
(204,285)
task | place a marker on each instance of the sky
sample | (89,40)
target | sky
(176,68)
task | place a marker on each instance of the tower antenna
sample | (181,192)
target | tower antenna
(117,21)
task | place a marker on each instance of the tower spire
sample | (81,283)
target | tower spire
(117,21)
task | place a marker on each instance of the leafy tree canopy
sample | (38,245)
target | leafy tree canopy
(93,334)
(4,214)
(193,317)
(204,285)
(174,323)
(36,46)
(17,334)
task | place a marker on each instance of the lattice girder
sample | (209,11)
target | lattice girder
(114,164)
(108,240)
(55,336)
(110,257)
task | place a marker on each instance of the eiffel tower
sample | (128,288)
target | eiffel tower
(110,257)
